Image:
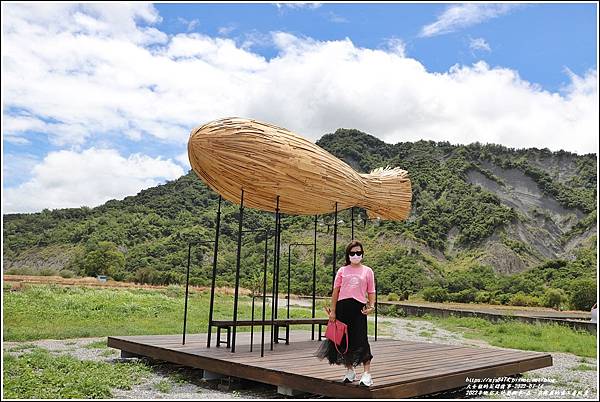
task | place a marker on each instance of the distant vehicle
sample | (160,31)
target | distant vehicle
(102,278)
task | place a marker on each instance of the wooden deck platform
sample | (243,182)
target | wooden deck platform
(400,369)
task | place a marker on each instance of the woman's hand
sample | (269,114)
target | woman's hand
(330,313)
(367,309)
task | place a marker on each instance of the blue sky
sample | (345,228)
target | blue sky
(538,40)
(99,98)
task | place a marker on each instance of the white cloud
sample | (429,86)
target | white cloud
(189,24)
(17,166)
(16,139)
(75,78)
(91,177)
(184,160)
(256,38)
(227,29)
(460,16)
(298,5)
(397,46)
(338,19)
(479,44)
(15,128)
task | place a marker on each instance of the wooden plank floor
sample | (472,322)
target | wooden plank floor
(400,369)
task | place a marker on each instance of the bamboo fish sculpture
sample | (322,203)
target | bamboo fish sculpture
(267,161)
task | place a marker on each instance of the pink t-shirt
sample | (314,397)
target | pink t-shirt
(355,282)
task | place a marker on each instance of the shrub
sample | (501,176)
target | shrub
(435,294)
(48,272)
(554,298)
(65,273)
(503,298)
(20,271)
(483,297)
(583,294)
(464,296)
(147,275)
(392,297)
(521,299)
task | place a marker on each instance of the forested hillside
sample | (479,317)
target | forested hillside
(489,224)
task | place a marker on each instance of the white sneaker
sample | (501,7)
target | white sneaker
(350,376)
(366,380)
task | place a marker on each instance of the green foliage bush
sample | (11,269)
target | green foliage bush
(503,298)
(483,297)
(392,297)
(435,294)
(521,299)
(583,294)
(21,271)
(65,273)
(554,298)
(463,296)
(48,272)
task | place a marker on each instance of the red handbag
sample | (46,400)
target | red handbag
(335,332)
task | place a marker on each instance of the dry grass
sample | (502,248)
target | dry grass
(16,282)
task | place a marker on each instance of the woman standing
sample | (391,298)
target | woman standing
(351,305)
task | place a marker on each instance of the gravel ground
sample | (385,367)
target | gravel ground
(561,376)
(169,381)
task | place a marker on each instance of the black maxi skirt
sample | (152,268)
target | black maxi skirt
(348,311)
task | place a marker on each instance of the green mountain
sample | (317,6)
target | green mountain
(480,212)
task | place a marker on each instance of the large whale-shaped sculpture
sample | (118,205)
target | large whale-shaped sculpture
(267,161)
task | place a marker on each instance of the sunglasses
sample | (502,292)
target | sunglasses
(353,253)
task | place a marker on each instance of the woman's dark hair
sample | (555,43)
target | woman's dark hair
(353,243)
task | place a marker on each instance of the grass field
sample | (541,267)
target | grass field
(519,335)
(39,374)
(61,312)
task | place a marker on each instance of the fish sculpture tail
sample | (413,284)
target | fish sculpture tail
(388,193)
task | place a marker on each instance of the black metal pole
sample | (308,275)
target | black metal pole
(314,278)
(335,225)
(237,271)
(352,212)
(187,285)
(214,275)
(264,293)
(277,255)
(288,279)
(274,268)
(252,325)
(376,309)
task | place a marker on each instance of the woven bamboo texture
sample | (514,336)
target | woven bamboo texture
(267,161)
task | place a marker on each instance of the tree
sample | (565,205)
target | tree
(103,258)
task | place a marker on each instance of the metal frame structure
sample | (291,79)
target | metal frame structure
(275,285)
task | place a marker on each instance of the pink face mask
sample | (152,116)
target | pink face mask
(355,259)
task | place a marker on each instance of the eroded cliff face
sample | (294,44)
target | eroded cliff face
(539,231)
